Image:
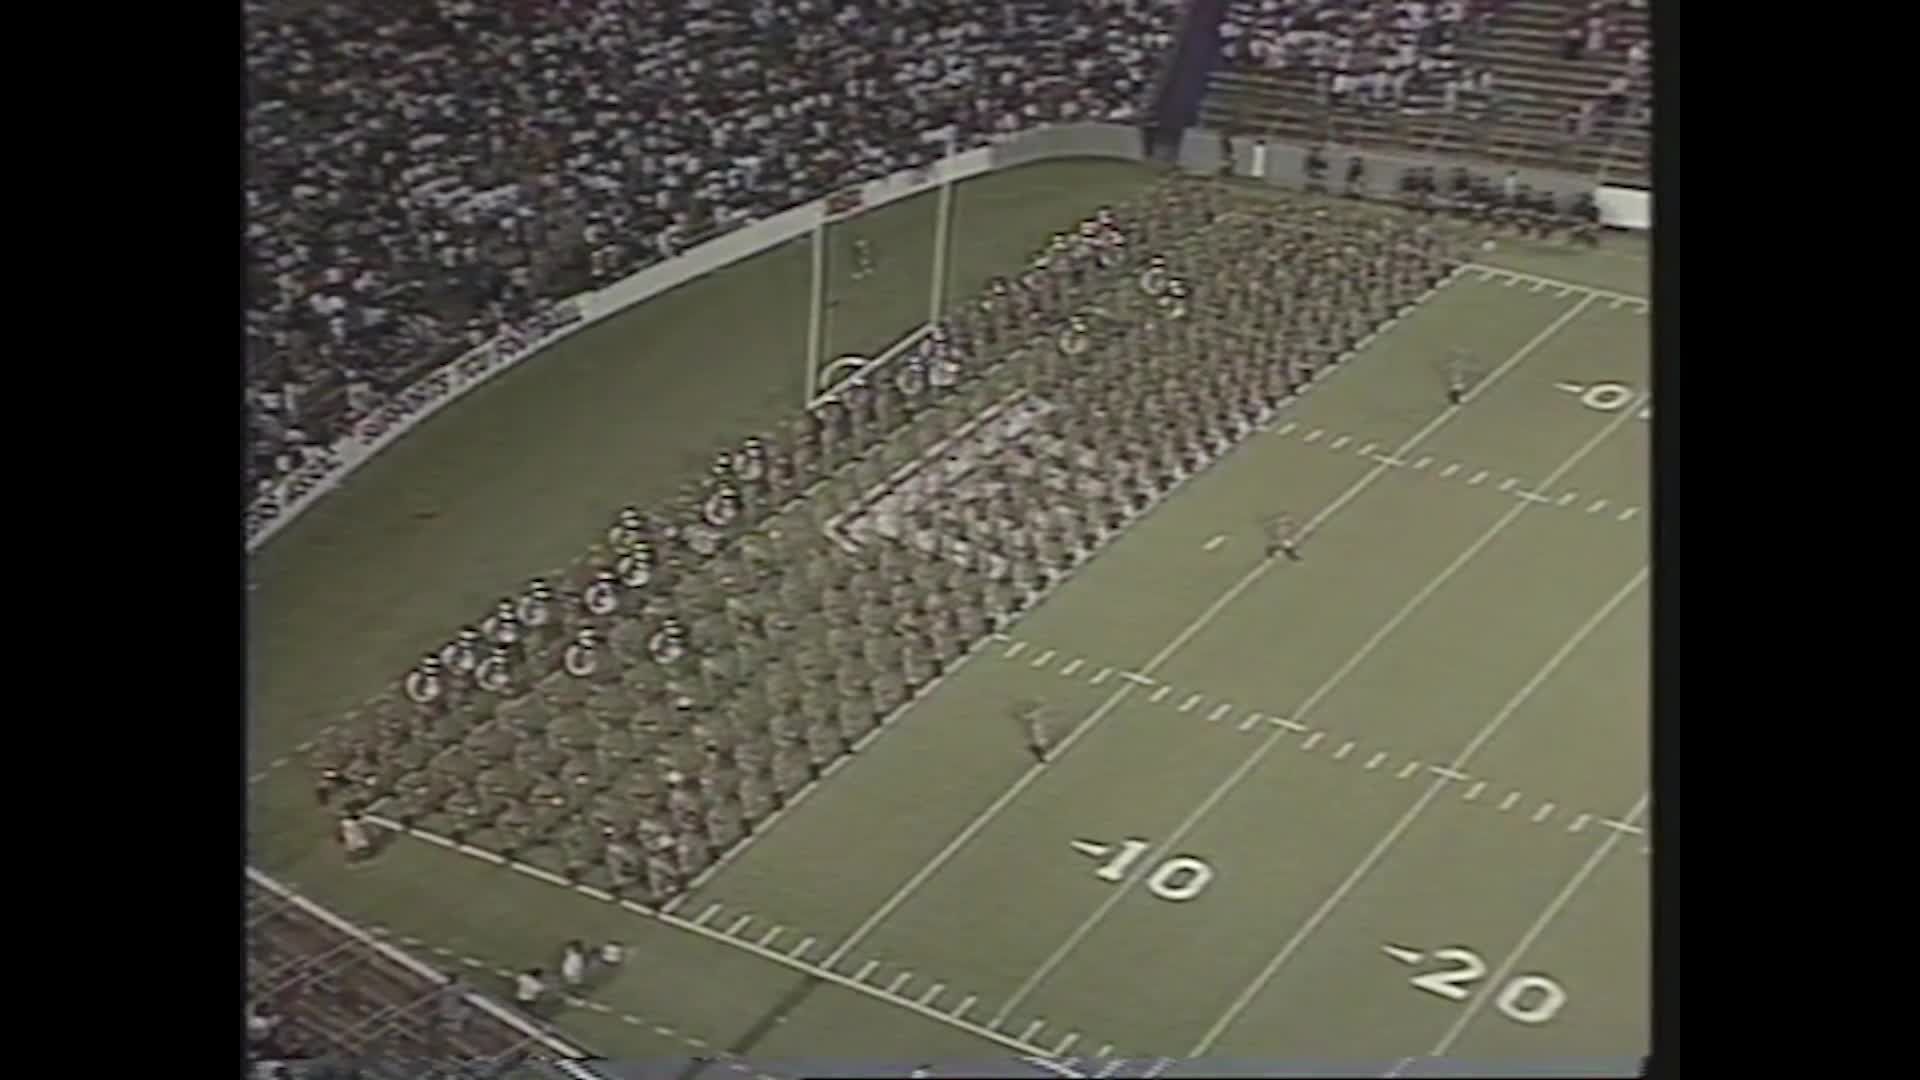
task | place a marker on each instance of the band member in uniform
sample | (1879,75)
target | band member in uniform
(1282,537)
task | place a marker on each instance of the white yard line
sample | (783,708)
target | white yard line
(1333,682)
(823,971)
(1180,640)
(1539,927)
(1373,857)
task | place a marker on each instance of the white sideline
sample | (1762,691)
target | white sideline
(1379,851)
(1180,640)
(1233,779)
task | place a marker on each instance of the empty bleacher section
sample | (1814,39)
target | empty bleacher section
(1562,84)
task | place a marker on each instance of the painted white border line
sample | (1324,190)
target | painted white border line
(823,971)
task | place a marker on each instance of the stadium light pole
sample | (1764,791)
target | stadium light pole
(942,230)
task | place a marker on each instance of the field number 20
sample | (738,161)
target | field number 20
(1176,879)
(1612,397)
(1528,999)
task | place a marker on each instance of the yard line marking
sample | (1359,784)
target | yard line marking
(1015,649)
(1534,496)
(1533,933)
(1032,1030)
(1076,665)
(1477,477)
(1312,740)
(1345,749)
(998,636)
(734,930)
(1290,725)
(1406,821)
(1509,483)
(866,971)
(1537,286)
(1412,767)
(1339,442)
(1579,823)
(1214,543)
(898,981)
(1252,721)
(1474,791)
(1597,506)
(1443,771)
(1136,678)
(1374,761)
(1422,463)
(932,992)
(1452,467)
(1388,459)
(1219,711)
(1105,1049)
(597,894)
(712,910)
(1629,512)
(1621,826)
(1201,622)
(1160,694)
(1287,428)
(1507,803)
(1187,705)
(1367,450)
(1566,499)
(1043,659)
(960,1010)
(800,951)
(1102,676)
(1314,435)
(1542,814)
(1066,1044)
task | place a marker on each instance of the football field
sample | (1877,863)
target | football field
(1385,802)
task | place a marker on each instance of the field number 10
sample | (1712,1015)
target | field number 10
(1179,878)
(1529,999)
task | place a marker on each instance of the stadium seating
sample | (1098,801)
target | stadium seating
(1487,78)
(423,177)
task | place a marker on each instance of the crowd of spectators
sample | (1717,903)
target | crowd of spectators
(1388,54)
(423,177)
(1614,34)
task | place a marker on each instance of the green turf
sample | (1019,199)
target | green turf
(513,481)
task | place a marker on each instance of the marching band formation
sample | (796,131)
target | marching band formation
(629,721)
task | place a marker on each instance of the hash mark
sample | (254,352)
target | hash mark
(712,910)
(961,1009)
(1043,659)
(1105,673)
(1312,740)
(1368,449)
(1452,467)
(1597,506)
(767,939)
(1567,499)
(734,930)
(1412,767)
(1339,442)
(899,981)
(1214,543)
(1542,814)
(932,992)
(1629,512)
(1187,705)
(1509,483)
(1345,749)
(1580,823)
(1160,694)
(1507,803)
(800,951)
(1423,463)
(1287,428)
(1032,1030)
(1374,761)
(1474,791)
(1478,477)
(1251,720)
(866,971)
(1015,649)
(1066,1043)
(1073,667)
(1219,711)
(1314,435)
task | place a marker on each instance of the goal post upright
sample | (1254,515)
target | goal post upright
(816,309)
(942,232)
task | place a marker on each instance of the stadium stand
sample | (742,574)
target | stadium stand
(1554,83)
(424,177)
(325,1002)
